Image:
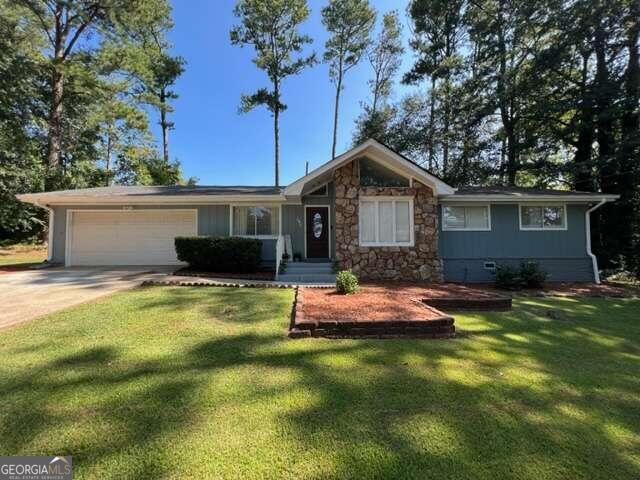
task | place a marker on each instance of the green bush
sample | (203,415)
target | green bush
(508,277)
(220,254)
(346,282)
(527,275)
(532,275)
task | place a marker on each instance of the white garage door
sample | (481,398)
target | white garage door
(134,237)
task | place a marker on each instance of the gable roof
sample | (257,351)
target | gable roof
(378,152)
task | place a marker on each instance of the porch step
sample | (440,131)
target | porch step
(304,268)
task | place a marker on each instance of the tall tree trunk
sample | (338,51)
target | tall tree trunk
(604,118)
(376,94)
(503,102)
(628,208)
(109,154)
(431,137)
(57,91)
(609,226)
(583,171)
(336,111)
(445,129)
(164,124)
(276,133)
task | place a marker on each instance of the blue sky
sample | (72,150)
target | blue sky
(219,146)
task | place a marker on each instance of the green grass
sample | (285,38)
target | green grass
(202,383)
(22,254)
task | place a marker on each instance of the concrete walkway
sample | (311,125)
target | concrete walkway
(29,294)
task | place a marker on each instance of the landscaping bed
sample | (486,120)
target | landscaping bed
(371,312)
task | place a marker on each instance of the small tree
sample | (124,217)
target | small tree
(271,27)
(350,23)
(385,58)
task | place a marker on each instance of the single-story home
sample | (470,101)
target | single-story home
(370,210)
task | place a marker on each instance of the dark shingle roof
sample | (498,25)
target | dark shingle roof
(169,191)
(520,191)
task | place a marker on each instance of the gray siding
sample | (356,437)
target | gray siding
(561,253)
(293,225)
(212,220)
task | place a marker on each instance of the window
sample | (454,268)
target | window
(543,217)
(320,192)
(372,174)
(466,217)
(386,221)
(256,221)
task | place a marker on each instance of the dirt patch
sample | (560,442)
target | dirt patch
(368,304)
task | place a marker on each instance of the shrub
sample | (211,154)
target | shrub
(527,275)
(346,282)
(532,275)
(508,277)
(220,254)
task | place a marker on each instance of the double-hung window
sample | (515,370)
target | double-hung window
(543,217)
(386,221)
(256,221)
(470,218)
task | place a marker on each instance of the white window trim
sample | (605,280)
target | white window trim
(257,237)
(445,228)
(377,200)
(543,228)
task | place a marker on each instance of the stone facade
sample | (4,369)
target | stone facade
(418,263)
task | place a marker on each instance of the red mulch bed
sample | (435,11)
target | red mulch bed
(433,290)
(373,304)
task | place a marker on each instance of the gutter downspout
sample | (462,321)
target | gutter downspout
(594,260)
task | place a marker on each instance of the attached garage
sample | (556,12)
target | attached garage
(126,237)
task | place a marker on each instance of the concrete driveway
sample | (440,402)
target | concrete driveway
(29,294)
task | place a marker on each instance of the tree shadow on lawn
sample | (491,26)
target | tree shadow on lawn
(523,397)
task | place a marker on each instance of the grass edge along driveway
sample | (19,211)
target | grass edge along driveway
(203,383)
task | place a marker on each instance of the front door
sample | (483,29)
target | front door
(317,232)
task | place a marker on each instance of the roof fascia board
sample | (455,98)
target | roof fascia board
(149,200)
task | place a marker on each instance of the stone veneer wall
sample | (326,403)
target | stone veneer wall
(418,263)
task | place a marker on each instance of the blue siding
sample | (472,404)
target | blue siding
(561,253)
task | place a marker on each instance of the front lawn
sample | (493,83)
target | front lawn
(203,383)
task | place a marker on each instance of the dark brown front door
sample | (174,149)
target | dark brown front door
(317,232)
